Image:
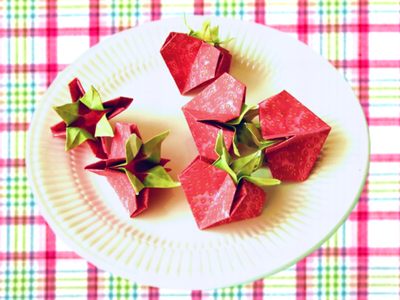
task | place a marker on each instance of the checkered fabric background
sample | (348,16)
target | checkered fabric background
(361,39)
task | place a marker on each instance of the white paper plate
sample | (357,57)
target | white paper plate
(163,247)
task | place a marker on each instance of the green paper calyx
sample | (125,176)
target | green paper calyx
(76,136)
(147,154)
(158,177)
(251,132)
(152,148)
(103,127)
(248,113)
(91,99)
(70,113)
(137,185)
(207,33)
(243,167)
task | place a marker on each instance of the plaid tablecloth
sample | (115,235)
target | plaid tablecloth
(39,38)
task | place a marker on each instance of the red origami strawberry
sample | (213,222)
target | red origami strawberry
(195,59)
(225,191)
(282,116)
(86,118)
(220,106)
(134,167)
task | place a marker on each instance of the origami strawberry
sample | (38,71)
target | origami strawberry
(304,134)
(86,118)
(134,167)
(195,59)
(227,190)
(220,106)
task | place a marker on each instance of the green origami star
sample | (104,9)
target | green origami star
(143,160)
(85,119)
(241,168)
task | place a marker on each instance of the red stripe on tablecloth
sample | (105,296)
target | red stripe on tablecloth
(196,295)
(259,11)
(39,255)
(155,9)
(258,289)
(23,126)
(51,256)
(356,252)
(301,279)
(355,64)
(154,293)
(12,162)
(198,7)
(22,220)
(32,68)
(51,38)
(384,121)
(311,28)
(390,157)
(259,285)
(92,282)
(349,28)
(302,21)
(94,32)
(363,77)
(94,22)
(366,64)
(374,215)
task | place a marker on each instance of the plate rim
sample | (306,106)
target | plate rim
(103,265)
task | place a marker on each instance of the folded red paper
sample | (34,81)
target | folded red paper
(133,167)
(304,134)
(192,62)
(219,103)
(86,118)
(215,199)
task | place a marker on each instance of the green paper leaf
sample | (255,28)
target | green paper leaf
(246,165)
(76,136)
(248,113)
(255,134)
(235,143)
(207,33)
(103,127)
(244,136)
(261,181)
(152,148)
(132,147)
(224,160)
(92,99)
(68,112)
(135,182)
(158,177)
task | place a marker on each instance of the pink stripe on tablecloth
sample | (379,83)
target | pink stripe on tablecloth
(301,279)
(387,157)
(311,28)
(258,290)
(51,40)
(363,77)
(302,21)
(259,11)
(12,162)
(155,9)
(198,7)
